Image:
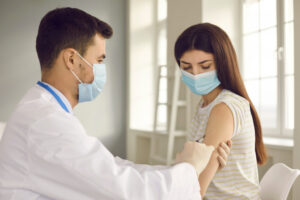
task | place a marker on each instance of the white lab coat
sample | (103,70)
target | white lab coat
(45,154)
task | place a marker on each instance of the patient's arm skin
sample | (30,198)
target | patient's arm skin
(219,129)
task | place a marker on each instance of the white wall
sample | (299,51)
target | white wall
(226,15)
(19,66)
(141,23)
(141,63)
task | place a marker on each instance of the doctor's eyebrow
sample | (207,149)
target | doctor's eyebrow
(202,62)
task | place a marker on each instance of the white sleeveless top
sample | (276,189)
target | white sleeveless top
(239,178)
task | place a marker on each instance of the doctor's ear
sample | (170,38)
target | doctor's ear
(69,58)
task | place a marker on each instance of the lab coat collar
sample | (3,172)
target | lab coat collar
(63,98)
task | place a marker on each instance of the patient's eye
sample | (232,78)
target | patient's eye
(205,67)
(186,68)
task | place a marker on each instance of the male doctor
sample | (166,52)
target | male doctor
(45,153)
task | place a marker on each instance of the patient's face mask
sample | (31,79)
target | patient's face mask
(89,91)
(201,84)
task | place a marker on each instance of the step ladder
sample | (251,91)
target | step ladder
(171,132)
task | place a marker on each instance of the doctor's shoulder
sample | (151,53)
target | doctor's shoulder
(38,110)
(38,102)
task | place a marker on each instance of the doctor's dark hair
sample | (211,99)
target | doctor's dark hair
(64,28)
(212,39)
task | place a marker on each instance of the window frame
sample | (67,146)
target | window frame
(280,131)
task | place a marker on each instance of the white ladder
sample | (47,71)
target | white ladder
(171,133)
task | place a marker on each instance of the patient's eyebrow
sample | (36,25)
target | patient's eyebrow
(202,62)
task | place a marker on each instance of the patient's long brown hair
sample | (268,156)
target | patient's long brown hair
(212,39)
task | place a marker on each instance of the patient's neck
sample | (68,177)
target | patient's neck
(208,98)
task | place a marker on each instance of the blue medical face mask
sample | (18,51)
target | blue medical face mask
(201,84)
(89,91)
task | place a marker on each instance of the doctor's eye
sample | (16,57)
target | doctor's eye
(100,61)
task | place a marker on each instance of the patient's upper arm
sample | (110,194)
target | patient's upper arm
(220,125)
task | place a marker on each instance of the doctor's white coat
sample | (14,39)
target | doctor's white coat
(45,154)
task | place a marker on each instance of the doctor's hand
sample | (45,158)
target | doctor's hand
(197,154)
(223,153)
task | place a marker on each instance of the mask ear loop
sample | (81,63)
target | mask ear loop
(86,63)
(76,76)
(84,59)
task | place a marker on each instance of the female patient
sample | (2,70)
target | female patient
(209,68)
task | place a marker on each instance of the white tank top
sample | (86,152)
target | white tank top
(239,178)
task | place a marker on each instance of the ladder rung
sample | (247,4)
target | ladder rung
(160,132)
(181,103)
(159,103)
(176,133)
(163,76)
(179,133)
(162,65)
